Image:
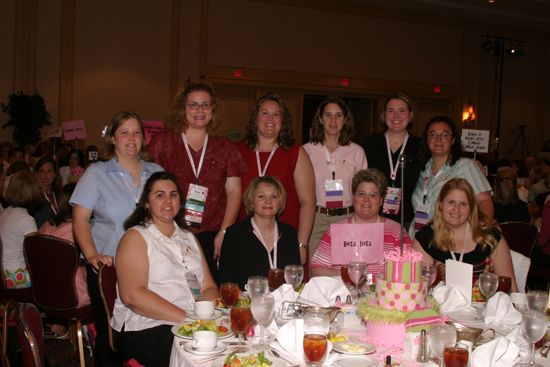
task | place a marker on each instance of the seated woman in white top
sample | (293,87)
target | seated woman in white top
(161,270)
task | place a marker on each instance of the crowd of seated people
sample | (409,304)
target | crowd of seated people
(201,209)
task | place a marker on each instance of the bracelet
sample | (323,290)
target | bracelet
(302,245)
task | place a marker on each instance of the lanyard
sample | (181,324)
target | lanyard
(130,186)
(272,262)
(463,244)
(55,206)
(330,164)
(196,171)
(393,170)
(260,172)
(428,180)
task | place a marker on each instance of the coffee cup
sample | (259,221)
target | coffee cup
(205,341)
(204,309)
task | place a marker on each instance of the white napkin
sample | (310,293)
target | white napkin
(290,338)
(500,352)
(322,291)
(501,312)
(450,299)
(517,337)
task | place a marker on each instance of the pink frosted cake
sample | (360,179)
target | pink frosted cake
(400,300)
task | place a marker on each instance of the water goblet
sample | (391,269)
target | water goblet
(356,271)
(537,300)
(262,309)
(316,326)
(533,325)
(438,337)
(241,320)
(294,274)
(230,293)
(257,286)
(488,284)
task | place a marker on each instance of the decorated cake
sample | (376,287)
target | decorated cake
(400,301)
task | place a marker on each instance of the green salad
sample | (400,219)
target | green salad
(188,329)
(252,360)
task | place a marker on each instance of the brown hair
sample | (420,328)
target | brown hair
(402,97)
(371,175)
(318,130)
(117,121)
(286,136)
(177,121)
(24,191)
(248,196)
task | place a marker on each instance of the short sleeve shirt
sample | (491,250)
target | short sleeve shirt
(15,224)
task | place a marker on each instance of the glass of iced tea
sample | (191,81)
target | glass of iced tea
(275,278)
(504,284)
(241,320)
(455,355)
(345,275)
(230,293)
(316,326)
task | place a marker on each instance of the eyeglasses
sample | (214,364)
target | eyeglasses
(443,136)
(195,106)
(371,195)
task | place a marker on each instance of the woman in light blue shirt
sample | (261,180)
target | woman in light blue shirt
(104,197)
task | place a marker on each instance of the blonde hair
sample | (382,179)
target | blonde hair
(248,196)
(443,238)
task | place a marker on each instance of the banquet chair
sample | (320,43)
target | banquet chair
(521,236)
(52,264)
(30,333)
(521,265)
(107,290)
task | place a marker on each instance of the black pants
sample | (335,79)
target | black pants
(206,240)
(150,347)
(103,355)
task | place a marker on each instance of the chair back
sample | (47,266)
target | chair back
(52,264)
(521,236)
(30,334)
(107,290)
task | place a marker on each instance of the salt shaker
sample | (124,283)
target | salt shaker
(423,348)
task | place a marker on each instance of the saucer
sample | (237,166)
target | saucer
(188,347)
(353,361)
(215,315)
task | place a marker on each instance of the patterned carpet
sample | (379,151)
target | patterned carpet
(60,353)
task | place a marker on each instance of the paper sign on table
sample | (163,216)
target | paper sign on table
(460,275)
(357,242)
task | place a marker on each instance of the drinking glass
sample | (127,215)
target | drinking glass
(230,293)
(275,278)
(456,355)
(504,284)
(537,300)
(294,274)
(262,309)
(488,284)
(356,271)
(241,320)
(534,325)
(257,286)
(439,336)
(345,276)
(430,272)
(316,325)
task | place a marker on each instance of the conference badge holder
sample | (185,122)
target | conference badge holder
(392,201)
(194,205)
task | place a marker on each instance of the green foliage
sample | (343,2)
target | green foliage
(27,114)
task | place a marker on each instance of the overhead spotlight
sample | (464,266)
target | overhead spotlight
(491,1)
(511,51)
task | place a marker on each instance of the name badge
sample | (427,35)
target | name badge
(193,284)
(194,205)
(421,216)
(334,193)
(392,201)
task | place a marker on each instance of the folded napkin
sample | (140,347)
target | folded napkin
(500,352)
(322,291)
(501,313)
(450,299)
(290,338)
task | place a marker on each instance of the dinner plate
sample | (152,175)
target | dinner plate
(276,362)
(191,314)
(354,348)
(188,347)
(175,329)
(354,361)
(465,316)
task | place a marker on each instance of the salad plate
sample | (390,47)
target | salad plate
(250,360)
(185,330)
(188,347)
(355,348)
(354,361)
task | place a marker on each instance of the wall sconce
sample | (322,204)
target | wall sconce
(469,116)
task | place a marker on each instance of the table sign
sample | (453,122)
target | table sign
(460,275)
(74,130)
(357,242)
(151,129)
(475,140)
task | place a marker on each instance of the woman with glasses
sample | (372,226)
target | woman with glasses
(208,167)
(441,150)
(369,188)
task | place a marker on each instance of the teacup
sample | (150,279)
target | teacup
(205,341)
(204,309)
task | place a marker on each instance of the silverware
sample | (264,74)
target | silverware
(278,355)
(545,350)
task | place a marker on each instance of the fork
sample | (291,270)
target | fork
(278,355)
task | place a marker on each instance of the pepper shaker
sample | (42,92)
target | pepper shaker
(423,348)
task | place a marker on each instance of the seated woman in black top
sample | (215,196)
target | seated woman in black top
(260,242)
(456,227)
(508,206)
